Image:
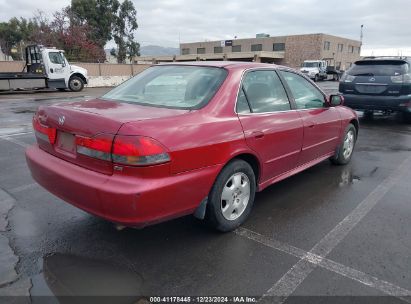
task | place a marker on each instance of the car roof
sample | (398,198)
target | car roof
(224,64)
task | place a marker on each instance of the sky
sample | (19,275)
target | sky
(387,29)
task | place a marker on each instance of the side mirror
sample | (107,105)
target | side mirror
(336,100)
(63,61)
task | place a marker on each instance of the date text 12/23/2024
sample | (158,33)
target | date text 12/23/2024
(204,299)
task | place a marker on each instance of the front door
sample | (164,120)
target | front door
(322,124)
(57,66)
(271,128)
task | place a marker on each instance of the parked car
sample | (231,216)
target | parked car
(195,138)
(379,84)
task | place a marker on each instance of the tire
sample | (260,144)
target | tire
(346,148)
(368,115)
(76,84)
(236,182)
(317,78)
(406,117)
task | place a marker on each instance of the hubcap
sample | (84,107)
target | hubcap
(235,196)
(348,144)
(75,83)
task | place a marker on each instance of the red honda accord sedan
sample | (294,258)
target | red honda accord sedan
(194,138)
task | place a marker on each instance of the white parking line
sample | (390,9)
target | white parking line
(312,260)
(15,141)
(286,285)
(17,134)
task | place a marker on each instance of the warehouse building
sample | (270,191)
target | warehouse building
(284,50)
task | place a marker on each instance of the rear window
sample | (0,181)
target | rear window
(379,68)
(181,87)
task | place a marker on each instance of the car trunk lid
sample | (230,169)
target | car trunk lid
(91,119)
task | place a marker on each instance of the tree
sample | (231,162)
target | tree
(123,32)
(82,30)
(73,38)
(10,36)
(99,15)
(109,19)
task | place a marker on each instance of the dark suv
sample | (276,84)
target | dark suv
(378,84)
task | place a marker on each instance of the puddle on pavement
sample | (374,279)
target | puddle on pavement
(73,279)
(347,178)
(24,111)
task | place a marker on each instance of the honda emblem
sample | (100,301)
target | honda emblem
(61,120)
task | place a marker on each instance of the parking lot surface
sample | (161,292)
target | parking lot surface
(340,231)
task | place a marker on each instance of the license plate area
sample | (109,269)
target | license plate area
(65,143)
(370,89)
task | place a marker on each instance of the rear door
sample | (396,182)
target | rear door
(271,128)
(322,124)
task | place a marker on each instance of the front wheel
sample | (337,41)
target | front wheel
(346,147)
(317,78)
(76,84)
(232,196)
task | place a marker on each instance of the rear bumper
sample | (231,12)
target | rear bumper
(372,102)
(130,201)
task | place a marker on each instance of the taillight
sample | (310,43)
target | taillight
(97,147)
(347,78)
(127,150)
(405,104)
(43,132)
(406,78)
(138,150)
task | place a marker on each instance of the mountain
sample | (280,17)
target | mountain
(156,50)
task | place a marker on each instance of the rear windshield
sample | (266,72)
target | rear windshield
(379,68)
(181,87)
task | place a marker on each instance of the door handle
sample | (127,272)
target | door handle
(51,70)
(257,134)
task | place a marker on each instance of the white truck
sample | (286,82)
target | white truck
(319,70)
(45,68)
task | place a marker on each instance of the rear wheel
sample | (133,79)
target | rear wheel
(368,115)
(346,147)
(231,199)
(406,117)
(76,84)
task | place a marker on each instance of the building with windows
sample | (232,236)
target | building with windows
(284,50)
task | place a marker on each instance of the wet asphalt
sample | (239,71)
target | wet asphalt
(359,216)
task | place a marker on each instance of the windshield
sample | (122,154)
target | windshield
(183,87)
(310,64)
(382,68)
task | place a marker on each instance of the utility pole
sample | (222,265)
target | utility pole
(361,35)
